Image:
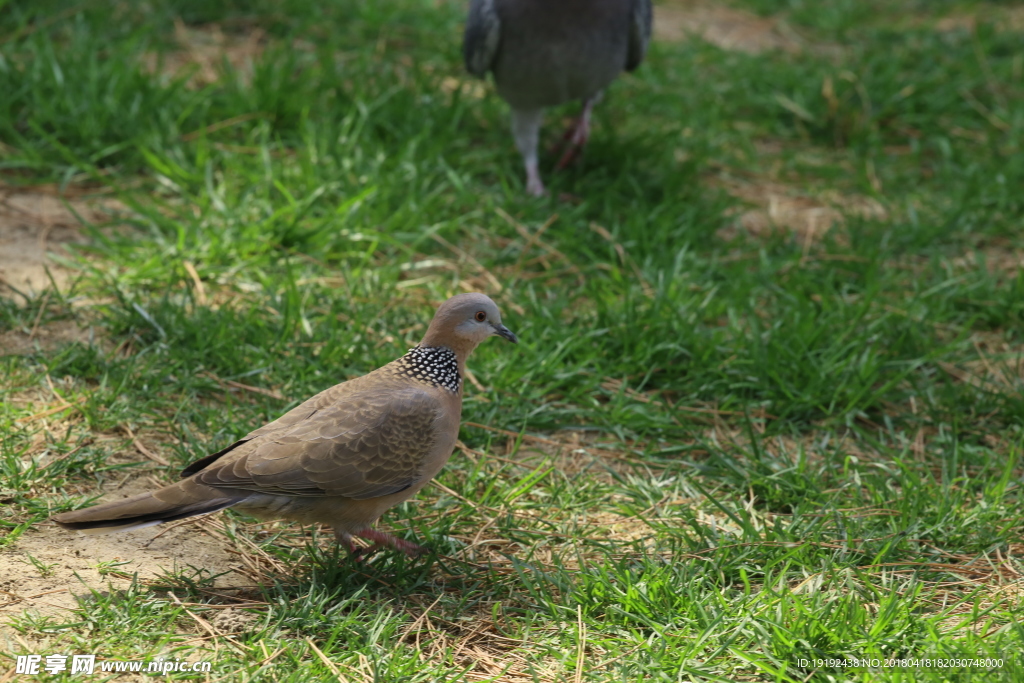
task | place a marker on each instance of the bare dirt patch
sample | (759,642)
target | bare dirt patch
(996,257)
(35,223)
(48,571)
(47,337)
(1003,18)
(203,51)
(725,27)
(774,206)
(38,224)
(67,564)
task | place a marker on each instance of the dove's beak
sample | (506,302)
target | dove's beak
(503,331)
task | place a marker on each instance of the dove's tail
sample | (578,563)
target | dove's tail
(148,509)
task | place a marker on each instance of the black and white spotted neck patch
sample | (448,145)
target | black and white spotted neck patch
(433,364)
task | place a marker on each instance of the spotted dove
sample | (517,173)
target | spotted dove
(547,52)
(344,456)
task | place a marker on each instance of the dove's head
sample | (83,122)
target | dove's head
(464,321)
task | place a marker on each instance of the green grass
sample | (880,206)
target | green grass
(741,450)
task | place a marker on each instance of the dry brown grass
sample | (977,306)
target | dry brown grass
(999,367)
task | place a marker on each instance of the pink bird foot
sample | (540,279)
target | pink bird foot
(383,540)
(575,138)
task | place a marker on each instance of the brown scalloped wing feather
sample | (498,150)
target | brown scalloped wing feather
(368,444)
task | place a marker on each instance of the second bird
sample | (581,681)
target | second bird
(547,52)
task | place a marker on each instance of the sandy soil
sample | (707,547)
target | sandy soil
(726,27)
(72,561)
(35,226)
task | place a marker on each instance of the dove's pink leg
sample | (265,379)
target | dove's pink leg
(385,540)
(578,134)
(344,538)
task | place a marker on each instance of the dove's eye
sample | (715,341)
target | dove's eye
(480,316)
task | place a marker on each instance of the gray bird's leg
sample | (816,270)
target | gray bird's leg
(578,133)
(526,131)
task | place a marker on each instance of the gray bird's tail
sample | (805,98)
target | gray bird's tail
(147,509)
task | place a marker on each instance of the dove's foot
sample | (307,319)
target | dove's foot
(575,138)
(380,540)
